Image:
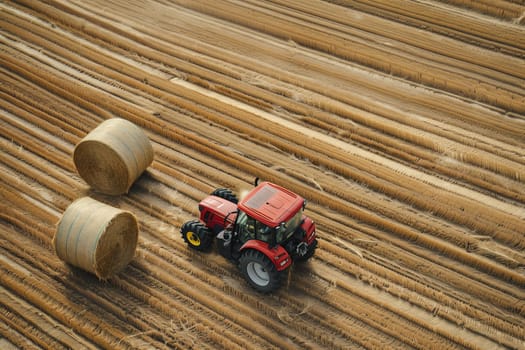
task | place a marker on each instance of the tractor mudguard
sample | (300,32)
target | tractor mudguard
(308,226)
(277,255)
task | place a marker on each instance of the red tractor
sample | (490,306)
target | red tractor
(264,233)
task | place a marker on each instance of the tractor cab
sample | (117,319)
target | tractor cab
(269,219)
(269,214)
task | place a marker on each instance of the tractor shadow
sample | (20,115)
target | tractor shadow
(300,276)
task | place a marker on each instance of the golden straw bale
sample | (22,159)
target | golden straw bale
(96,237)
(113,155)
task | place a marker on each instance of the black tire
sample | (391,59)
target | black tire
(226,194)
(259,271)
(309,253)
(196,235)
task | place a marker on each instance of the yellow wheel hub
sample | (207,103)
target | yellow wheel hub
(193,239)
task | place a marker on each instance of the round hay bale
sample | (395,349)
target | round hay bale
(96,237)
(113,155)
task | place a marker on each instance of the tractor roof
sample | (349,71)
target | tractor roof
(271,204)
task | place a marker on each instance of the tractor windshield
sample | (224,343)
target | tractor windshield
(286,231)
(248,228)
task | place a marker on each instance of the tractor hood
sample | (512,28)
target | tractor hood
(271,204)
(217,205)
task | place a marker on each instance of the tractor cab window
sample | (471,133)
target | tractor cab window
(245,227)
(264,233)
(286,229)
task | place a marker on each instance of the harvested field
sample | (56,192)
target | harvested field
(401,122)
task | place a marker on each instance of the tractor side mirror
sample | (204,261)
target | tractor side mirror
(256,182)
(227,221)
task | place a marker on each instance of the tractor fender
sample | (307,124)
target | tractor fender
(309,228)
(277,255)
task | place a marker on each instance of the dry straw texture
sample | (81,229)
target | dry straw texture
(96,237)
(113,155)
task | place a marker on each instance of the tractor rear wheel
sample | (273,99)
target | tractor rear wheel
(259,271)
(226,194)
(196,235)
(309,253)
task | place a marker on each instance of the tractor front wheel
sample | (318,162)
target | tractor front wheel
(196,235)
(226,194)
(259,271)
